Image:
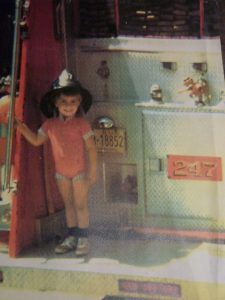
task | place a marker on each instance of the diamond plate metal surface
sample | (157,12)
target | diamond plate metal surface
(132,73)
(183,133)
(128,117)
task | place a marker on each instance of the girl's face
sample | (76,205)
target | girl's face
(68,105)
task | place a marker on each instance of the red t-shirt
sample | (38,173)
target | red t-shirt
(67,140)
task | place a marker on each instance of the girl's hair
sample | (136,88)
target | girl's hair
(69,91)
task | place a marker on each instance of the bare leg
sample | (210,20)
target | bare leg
(70,241)
(80,192)
(66,191)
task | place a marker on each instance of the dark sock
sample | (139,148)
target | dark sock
(82,232)
(72,230)
(77,231)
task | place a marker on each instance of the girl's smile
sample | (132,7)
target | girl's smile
(68,105)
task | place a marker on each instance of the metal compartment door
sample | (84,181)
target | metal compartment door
(195,203)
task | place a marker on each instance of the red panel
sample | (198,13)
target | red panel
(41,63)
(194,167)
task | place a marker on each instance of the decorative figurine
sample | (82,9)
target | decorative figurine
(156,94)
(198,90)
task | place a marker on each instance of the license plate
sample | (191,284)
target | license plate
(110,140)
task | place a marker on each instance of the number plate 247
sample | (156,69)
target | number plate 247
(194,167)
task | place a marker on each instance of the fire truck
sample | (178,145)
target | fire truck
(157,213)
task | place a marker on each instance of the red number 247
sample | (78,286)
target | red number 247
(183,168)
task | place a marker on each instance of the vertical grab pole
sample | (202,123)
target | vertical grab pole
(15,61)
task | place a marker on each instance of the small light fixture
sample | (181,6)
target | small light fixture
(104,122)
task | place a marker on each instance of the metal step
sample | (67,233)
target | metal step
(122,268)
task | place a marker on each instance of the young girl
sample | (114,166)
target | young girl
(69,135)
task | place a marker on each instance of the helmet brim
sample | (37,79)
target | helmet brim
(47,103)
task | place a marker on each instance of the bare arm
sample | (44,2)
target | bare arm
(92,158)
(36,139)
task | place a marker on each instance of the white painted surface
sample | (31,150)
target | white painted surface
(205,263)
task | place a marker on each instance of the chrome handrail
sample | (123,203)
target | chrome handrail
(15,62)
